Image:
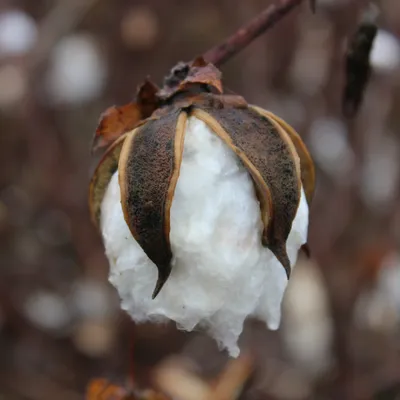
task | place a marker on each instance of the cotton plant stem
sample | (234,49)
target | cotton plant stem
(221,53)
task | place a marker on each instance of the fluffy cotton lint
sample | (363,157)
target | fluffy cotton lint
(221,273)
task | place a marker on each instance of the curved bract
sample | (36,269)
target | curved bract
(307,164)
(271,162)
(101,178)
(149,168)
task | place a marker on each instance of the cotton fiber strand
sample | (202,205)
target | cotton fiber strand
(221,273)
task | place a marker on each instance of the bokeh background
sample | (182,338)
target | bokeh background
(62,62)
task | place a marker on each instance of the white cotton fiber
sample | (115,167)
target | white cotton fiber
(220,271)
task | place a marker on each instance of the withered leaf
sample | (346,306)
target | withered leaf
(199,61)
(204,74)
(148,172)
(269,156)
(306,162)
(101,389)
(116,121)
(146,97)
(106,168)
(186,75)
(358,69)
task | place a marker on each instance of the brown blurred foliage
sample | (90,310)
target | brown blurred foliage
(60,323)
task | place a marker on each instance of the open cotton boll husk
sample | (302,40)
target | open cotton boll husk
(221,273)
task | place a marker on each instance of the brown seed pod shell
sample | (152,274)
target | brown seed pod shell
(149,168)
(306,162)
(106,168)
(270,157)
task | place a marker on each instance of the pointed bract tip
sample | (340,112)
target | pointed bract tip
(163,275)
(159,285)
(287,270)
(280,253)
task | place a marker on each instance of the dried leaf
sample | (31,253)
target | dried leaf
(184,76)
(148,172)
(268,154)
(199,62)
(116,121)
(358,69)
(203,73)
(146,98)
(101,389)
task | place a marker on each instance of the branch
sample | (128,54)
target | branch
(244,36)
(231,46)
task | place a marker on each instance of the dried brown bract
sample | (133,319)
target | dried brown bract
(358,69)
(116,121)
(102,389)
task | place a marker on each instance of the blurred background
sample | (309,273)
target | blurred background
(63,62)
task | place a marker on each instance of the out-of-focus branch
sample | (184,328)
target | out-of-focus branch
(221,53)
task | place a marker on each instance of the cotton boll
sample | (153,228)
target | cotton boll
(47,311)
(221,273)
(78,70)
(308,328)
(328,140)
(18,33)
(92,300)
(385,54)
(379,307)
(275,284)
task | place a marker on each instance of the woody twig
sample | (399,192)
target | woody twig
(221,53)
